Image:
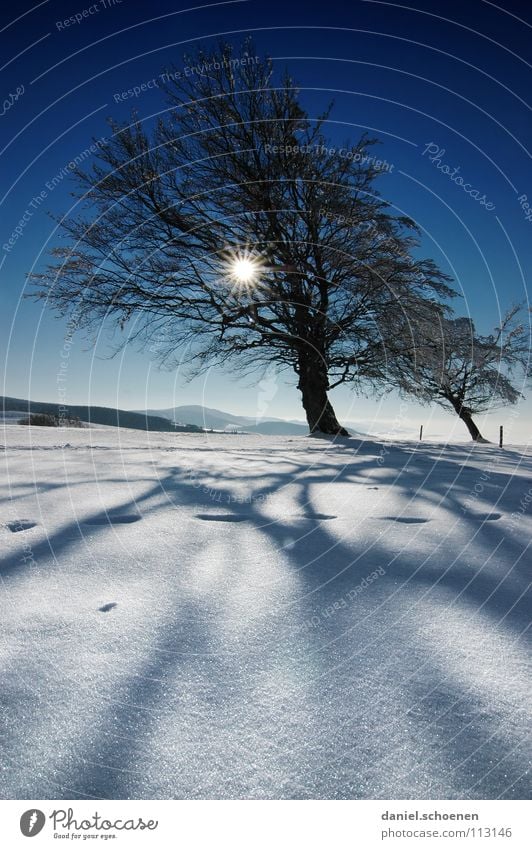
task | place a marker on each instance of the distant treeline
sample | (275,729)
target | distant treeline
(49,420)
(97,415)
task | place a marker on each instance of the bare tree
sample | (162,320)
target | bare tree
(235,231)
(453,366)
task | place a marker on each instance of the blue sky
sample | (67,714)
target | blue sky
(453,75)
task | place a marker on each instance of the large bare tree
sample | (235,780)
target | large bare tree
(233,230)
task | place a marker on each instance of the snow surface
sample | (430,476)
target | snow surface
(215,616)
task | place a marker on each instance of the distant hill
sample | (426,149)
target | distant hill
(208,417)
(200,416)
(95,415)
(192,418)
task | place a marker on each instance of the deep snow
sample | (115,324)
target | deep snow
(209,616)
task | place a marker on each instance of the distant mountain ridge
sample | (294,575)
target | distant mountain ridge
(192,418)
(97,415)
(209,417)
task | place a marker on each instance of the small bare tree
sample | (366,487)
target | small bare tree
(233,230)
(453,366)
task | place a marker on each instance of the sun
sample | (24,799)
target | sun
(244,270)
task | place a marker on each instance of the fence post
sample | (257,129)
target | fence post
(421,433)
(501,432)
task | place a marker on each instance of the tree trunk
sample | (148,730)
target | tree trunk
(476,435)
(464,413)
(313,385)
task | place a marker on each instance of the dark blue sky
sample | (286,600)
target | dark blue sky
(455,75)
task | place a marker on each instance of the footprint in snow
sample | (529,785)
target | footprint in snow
(107,607)
(220,517)
(20,525)
(123,519)
(405,520)
(485,517)
(320,516)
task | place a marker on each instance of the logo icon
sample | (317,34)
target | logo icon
(32,822)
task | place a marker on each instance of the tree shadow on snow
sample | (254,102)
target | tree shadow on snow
(455,725)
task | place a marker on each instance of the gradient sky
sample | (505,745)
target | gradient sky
(454,74)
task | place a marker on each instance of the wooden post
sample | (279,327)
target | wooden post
(421,433)
(501,432)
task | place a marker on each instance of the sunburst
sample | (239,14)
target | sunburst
(243,270)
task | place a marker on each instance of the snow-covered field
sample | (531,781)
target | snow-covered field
(208,616)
